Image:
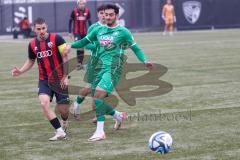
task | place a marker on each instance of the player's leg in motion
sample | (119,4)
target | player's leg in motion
(51,116)
(102,108)
(171,28)
(166,28)
(79,99)
(80,53)
(80,56)
(89,78)
(63,105)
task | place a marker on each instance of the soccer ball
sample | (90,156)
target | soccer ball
(160,142)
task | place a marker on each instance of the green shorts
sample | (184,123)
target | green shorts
(107,79)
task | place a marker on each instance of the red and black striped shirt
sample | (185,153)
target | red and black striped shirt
(80,19)
(48,56)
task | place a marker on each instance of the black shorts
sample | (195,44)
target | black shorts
(44,88)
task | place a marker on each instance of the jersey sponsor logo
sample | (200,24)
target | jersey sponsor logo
(50,44)
(192,11)
(44,54)
(106,40)
(81,18)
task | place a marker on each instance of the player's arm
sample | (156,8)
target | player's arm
(89,19)
(90,38)
(70,22)
(137,50)
(61,45)
(62,48)
(163,12)
(27,65)
(141,56)
(91,46)
(134,47)
(80,43)
(64,51)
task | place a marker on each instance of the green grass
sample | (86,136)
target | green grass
(202,112)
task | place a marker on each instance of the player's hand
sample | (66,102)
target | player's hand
(163,17)
(66,50)
(16,72)
(149,65)
(174,18)
(64,82)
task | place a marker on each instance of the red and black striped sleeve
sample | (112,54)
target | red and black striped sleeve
(31,54)
(89,18)
(59,40)
(70,22)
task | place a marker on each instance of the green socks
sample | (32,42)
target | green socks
(79,100)
(102,108)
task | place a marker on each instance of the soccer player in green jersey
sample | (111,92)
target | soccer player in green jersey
(91,62)
(113,39)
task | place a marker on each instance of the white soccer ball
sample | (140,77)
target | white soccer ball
(160,142)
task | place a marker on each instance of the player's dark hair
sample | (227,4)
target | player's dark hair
(112,6)
(101,7)
(39,21)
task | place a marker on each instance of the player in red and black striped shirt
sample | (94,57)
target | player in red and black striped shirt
(48,49)
(79,16)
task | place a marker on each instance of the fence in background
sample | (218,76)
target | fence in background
(142,15)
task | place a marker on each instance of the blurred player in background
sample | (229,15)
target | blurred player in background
(168,15)
(48,49)
(89,77)
(113,39)
(79,16)
(25,27)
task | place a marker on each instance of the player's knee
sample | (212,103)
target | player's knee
(97,95)
(100,93)
(44,103)
(63,109)
(44,100)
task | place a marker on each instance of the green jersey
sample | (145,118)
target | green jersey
(93,60)
(93,26)
(93,46)
(110,54)
(111,44)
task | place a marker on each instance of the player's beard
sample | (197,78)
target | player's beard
(43,36)
(111,23)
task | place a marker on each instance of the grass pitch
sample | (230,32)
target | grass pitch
(202,112)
